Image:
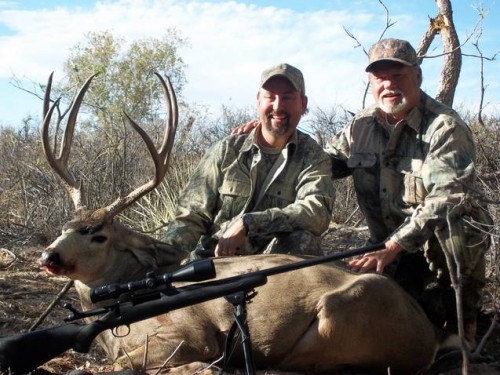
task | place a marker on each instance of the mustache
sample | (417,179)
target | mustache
(278,114)
(392,92)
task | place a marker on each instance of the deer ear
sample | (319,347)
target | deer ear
(140,246)
(145,256)
(151,253)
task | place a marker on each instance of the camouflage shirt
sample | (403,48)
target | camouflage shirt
(298,195)
(404,174)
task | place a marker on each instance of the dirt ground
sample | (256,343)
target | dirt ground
(26,292)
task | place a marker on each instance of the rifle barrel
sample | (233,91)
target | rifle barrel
(318,260)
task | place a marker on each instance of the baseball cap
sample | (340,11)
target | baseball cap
(288,71)
(390,49)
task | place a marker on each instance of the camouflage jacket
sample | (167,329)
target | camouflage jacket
(299,195)
(406,179)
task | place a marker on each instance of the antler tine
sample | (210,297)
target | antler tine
(46,98)
(160,158)
(60,163)
(169,136)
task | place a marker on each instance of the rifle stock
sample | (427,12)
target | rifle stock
(22,353)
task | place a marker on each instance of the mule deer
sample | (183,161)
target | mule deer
(315,319)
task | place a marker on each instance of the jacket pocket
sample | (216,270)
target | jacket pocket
(233,195)
(414,189)
(362,160)
(365,175)
(281,192)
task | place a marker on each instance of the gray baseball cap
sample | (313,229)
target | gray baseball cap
(288,71)
(390,49)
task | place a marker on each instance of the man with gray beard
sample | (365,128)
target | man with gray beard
(269,191)
(412,162)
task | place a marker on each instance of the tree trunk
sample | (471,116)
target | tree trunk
(452,57)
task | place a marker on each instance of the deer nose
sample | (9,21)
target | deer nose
(50,257)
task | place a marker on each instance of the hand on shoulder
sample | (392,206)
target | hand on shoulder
(245,128)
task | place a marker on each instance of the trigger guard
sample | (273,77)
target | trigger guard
(116,334)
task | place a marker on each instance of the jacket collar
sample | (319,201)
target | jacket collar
(250,140)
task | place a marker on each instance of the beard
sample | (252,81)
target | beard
(280,130)
(393,109)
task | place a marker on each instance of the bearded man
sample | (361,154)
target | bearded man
(412,162)
(269,191)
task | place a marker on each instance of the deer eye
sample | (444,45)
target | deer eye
(98,239)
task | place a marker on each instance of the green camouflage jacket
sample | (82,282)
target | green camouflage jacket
(406,178)
(299,196)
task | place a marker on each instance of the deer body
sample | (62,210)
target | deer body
(312,319)
(315,319)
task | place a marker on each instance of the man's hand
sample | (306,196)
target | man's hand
(245,128)
(378,259)
(232,239)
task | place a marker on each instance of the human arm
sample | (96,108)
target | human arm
(301,197)
(196,206)
(447,170)
(339,150)
(232,239)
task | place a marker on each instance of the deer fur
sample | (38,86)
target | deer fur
(316,319)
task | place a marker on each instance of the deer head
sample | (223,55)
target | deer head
(89,243)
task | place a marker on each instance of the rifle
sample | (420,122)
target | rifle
(143,299)
(22,353)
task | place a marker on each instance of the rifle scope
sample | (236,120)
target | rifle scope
(198,270)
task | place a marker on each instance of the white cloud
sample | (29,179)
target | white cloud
(230,43)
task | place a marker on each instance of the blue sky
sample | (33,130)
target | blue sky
(231,42)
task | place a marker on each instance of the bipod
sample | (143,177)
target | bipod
(239,301)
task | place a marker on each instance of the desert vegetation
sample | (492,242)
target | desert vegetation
(110,159)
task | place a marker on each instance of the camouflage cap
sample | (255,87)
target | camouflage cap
(288,71)
(390,49)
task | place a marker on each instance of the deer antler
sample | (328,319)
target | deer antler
(60,163)
(160,158)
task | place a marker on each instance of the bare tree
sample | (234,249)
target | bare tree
(482,58)
(443,25)
(452,54)
(388,24)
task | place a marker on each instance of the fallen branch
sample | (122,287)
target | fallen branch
(63,291)
(488,333)
(169,358)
